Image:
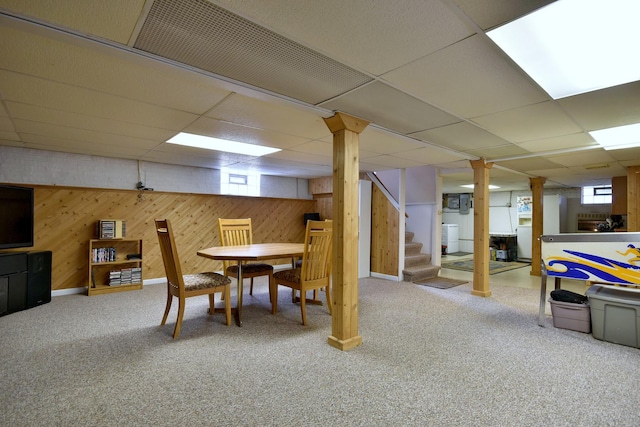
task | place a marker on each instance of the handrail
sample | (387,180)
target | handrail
(374,178)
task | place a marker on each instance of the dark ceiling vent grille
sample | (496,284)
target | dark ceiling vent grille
(205,36)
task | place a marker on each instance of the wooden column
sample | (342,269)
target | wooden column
(633,198)
(481,227)
(346,136)
(537,214)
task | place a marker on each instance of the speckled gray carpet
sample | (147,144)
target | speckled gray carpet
(428,358)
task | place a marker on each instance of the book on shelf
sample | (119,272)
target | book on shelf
(103,255)
(111,229)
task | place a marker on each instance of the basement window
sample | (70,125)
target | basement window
(240,184)
(596,195)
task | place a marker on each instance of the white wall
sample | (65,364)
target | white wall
(503,214)
(28,166)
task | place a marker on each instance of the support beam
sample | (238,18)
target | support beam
(481,227)
(346,137)
(633,198)
(537,219)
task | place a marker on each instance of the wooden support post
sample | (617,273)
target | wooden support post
(633,198)
(346,136)
(537,214)
(481,227)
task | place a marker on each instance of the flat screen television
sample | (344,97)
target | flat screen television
(16,217)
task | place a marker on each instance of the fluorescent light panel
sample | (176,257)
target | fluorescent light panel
(491,187)
(209,143)
(627,136)
(576,46)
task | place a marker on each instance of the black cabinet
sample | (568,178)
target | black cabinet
(13,282)
(25,280)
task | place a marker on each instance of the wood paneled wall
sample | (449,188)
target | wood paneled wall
(384,223)
(65,221)
(385,227)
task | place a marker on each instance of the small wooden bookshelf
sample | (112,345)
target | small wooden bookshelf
(115,265)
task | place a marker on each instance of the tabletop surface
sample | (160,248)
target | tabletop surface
(254,252)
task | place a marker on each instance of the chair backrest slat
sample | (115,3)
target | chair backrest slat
(235,232)
(170,256)
(316,259)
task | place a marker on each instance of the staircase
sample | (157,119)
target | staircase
(417,266)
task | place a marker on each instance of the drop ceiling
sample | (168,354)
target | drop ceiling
(119,78)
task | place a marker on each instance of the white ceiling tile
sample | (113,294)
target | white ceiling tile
(589,157)
(301,157)
(393,162)
(315,148)
(491,153)
(270,115)
(378,141)
(490,13)
(564,142)
(469,78)
(108,70)
(48,94)
(526,165)
(460,136)
(112,20)
(52,143)
(428,156)
(82,121)
(6,124)
(9,137)
(82,136)
(533,122)
(390,108)
(373,38)
(605,108)
(233,132)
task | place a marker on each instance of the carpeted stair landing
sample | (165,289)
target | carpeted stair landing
(417,265)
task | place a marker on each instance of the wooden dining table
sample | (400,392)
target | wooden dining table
(248,253)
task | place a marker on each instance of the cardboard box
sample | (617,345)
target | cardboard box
(568,315)
(615,314)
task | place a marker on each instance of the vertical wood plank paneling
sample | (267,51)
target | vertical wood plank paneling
(633,198)
(384,234)
(65,221)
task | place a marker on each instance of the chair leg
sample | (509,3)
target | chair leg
(327,291)
(176,330)
(251,287)
(212,308)
(303,306)
(270,277)
(166,310)
(227,303)
(274,295)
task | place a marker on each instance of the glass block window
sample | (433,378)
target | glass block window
(596,195)
(239,183)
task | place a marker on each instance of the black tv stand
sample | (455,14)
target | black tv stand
(25,280)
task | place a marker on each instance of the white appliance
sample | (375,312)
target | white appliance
(450,237)
(554,221)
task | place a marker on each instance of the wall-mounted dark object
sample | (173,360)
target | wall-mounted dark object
(314,216)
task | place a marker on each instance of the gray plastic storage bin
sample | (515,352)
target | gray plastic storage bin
(615,315)
(569,315)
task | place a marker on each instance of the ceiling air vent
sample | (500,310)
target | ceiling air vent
(208,37)
(600,166)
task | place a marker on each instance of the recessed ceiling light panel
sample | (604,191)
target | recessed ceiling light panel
(627,136)
(576,46)
(209,143)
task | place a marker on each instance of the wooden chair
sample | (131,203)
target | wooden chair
(236,232)
(190,285)
(315,272)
